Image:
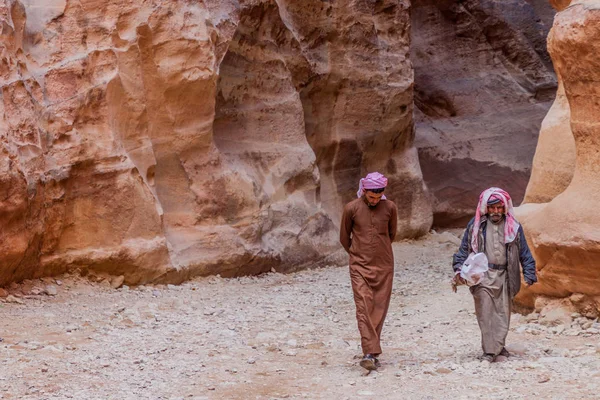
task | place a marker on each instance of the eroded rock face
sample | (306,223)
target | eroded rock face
(162,141)
(564,232)
(554,160)
(483,83)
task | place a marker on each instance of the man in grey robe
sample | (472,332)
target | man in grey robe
(495,232)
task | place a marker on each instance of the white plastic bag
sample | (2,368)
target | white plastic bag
(474,268)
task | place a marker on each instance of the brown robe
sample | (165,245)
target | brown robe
(367,234)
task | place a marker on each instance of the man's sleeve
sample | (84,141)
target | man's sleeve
(346,228)
(526,259)
(463,251)
(393,223)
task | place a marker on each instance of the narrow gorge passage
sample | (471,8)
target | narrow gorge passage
(278,336)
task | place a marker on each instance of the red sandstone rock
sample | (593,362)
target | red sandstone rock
(564,233)
(554,160)
(160,143)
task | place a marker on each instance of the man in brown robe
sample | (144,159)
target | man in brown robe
(367,231)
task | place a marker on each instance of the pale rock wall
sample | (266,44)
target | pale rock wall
(554,160)
(161,140)
(565,233)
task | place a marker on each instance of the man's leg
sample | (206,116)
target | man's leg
(382,294)
(492,308)
(364,301)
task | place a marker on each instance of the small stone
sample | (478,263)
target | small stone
(3,293)
(36,291)
(117,282)
(586,325)
(291,353)
(58,282)
(44,369)
(211,388)
(51,290)
(446,353)
(12,299)
(543,378)
(352,383)
(556,316)
(516,348)
(171,287)
(155,293)
(443,371)
(251,361)
(522,329)
(531,317)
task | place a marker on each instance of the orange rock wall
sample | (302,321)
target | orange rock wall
(564,232)
(165,139)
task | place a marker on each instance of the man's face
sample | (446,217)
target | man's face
(372,198)
(496,212)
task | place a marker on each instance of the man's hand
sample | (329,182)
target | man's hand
(458,280)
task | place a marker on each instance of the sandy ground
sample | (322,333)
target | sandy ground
(278,336)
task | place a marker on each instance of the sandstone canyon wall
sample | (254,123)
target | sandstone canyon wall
(165,139)
(565,231)
(554,160)
(483,83)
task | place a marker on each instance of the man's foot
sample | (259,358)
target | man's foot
(487,357)
(504,352)
(377,363)
(369,362)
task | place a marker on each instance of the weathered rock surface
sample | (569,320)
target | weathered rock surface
(169,139)
(564,233)
(554,160)
(483,83)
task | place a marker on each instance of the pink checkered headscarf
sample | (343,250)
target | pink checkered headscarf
(374,180)
(511,226)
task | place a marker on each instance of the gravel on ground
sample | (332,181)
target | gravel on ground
(278,336)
